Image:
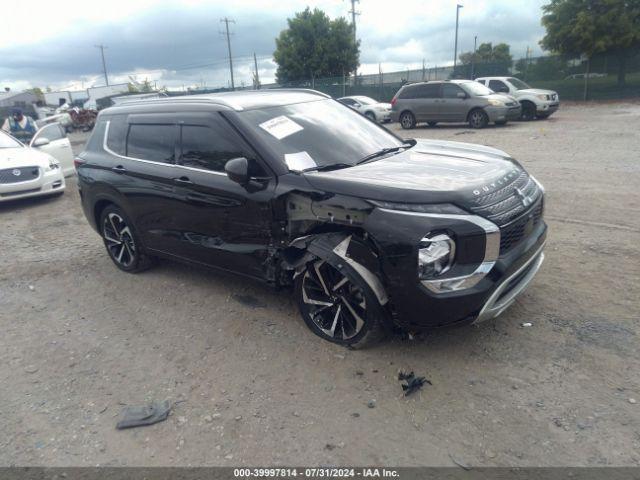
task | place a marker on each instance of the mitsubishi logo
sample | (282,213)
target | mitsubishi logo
(526,201)
(16,172)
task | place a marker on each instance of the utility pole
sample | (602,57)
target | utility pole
(256,82)
(226,23)
(473,58)
(104,64)
(353,13)
(455,48)
(423,69)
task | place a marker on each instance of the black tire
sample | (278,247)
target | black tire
(122,242)
(501,122)
(528,111)
(432,124)
(370,116)
(339,306)
(478,118)
(407,120)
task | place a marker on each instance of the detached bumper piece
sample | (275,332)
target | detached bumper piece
(510,288)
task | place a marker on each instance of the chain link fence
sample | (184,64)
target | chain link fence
(574,79)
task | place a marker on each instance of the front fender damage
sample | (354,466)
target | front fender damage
(343,251)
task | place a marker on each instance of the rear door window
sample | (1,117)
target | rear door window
(152,142)
(428,90)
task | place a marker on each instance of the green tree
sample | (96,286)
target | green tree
(489,60)
(315,46)
(589,27)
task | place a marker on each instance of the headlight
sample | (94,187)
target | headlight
(496,103)
(435,255)
(543,96)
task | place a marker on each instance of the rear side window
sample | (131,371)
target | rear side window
(425,90)
(210,147)
(94,143)
(117,135)
(156,143)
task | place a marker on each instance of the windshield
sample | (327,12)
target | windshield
(365,100)
(519,84)
(475,88)
(318,134)
(8,142)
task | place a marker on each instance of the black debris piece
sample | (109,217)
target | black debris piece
(138,416)
(412,383)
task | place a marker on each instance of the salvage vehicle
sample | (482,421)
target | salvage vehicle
(536,102)
(376,111)
(31,171)
(451,101)
(295,189)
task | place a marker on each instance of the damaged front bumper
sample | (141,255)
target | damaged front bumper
(418,307)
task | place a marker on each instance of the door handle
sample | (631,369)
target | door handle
(183,181)
(119,169)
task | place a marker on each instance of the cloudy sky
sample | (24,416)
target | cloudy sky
(176,43)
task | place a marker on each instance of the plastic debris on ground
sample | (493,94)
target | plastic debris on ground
(138,416)
(412,383)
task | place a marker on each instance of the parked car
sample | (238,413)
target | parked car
(34,170)
(290,187)
(535,102)
(376,111)
(451,101)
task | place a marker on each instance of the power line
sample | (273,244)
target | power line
(104,64)
(226,23)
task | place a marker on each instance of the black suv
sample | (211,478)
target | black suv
(296,189)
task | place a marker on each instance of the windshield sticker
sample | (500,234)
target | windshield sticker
(281,127)
(297,162)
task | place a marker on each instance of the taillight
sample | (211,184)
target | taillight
(394,100)
(77,161)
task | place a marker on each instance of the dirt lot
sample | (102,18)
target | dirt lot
(80,339)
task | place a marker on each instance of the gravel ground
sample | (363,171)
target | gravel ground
(80,339)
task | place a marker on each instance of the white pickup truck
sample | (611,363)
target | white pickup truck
(536,103)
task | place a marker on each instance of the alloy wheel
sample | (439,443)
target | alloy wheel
(477,119)
(335,305)
(119,240)
(406,121)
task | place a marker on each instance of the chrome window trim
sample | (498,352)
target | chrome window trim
(491,251)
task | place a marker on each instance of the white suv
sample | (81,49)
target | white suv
(535,101)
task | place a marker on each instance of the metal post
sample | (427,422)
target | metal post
(473,58)
(226,23)
(104,64)
(423,69)
(255,63)
(455,48)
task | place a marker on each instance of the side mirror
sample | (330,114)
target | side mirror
(40,142)
(237,170)
(461,95)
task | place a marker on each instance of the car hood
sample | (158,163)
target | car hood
(536,91)
(22,157)
(382,106)
(432,171)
